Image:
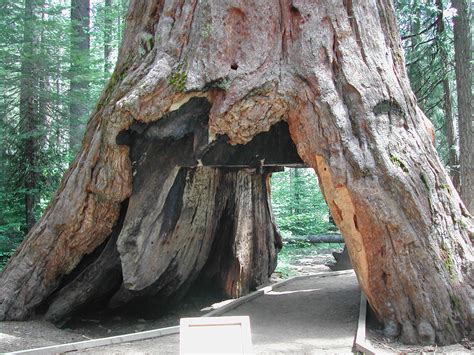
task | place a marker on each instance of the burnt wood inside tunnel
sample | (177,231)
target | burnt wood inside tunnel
(196,201)
(209,225)
(273,148)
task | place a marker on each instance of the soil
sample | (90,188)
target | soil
(385,345)
(314,315)
(32,334)
(99,323)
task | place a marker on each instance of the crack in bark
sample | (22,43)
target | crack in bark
(355,28)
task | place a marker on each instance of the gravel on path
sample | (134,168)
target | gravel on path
(314,315)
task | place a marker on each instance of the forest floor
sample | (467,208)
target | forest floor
(385,345)
(313,315)
(294,260)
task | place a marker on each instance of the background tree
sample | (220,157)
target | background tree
(449,122)
(427,34)
(463,53)
(79,71)
(298,204)
(31,112)
(49,73)
(107,37)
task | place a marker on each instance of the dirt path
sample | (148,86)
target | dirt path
(32,334)
(316,315)
(313,316)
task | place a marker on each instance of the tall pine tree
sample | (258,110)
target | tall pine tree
(79,71)
(463,52)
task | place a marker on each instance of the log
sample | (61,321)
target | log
(315,239)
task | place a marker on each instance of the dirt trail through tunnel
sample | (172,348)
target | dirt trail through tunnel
(314,315)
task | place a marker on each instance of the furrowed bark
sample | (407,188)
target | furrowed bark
(91,282)
(97,280)
(391,198)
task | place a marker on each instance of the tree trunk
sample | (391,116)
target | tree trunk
(29,113)
(453,160)
(107,37)
(315,239)
(190,222)
(416,80)
(123,6)
(193,76)
(79,81)
(463,56)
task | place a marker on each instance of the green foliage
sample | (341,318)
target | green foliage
(427,34)
(293,253)
(107,24)
(298,204)
(49,68)
(7,249)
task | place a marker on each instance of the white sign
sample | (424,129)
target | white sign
(215,335)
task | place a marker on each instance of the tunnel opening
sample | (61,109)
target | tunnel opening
(311,240)
(198,228)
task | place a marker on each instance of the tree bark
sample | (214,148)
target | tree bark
(335,72)
(30,116)
(107,37)
(449,124)
(205,223)
(463,56)
(79,81)
(343,261)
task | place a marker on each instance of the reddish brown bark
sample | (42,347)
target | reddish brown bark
(335,72)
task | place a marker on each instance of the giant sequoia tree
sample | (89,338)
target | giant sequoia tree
(207,98)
